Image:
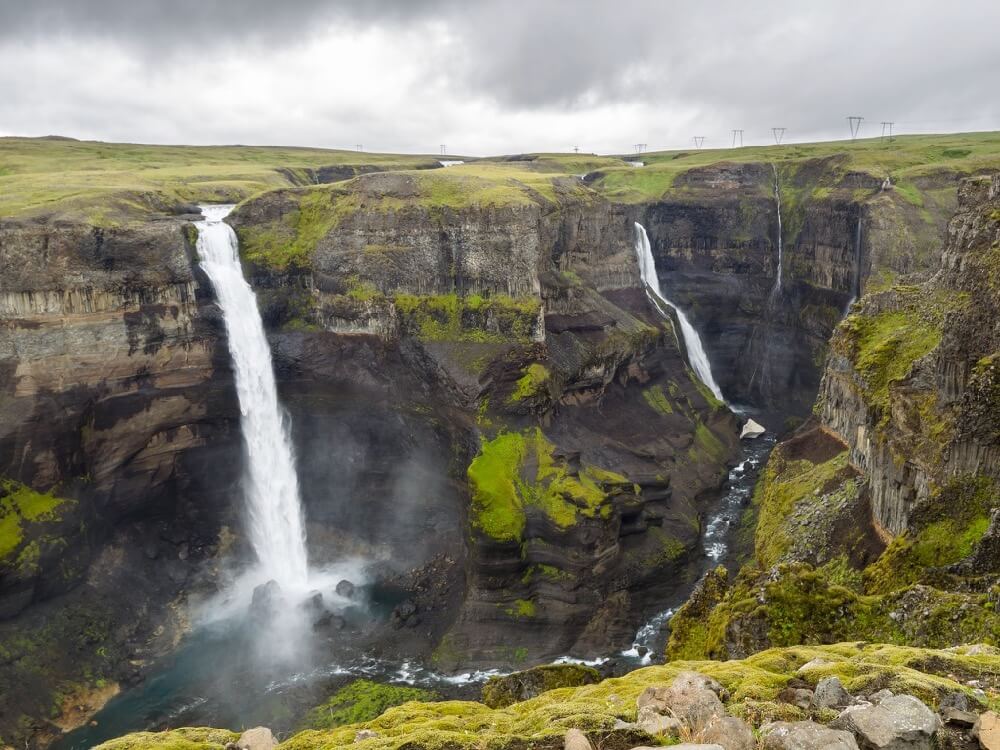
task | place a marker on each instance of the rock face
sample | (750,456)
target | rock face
(805,735)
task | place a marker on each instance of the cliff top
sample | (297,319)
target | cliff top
(107,183)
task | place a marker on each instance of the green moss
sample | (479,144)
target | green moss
(533,382)
(449,317)
(523,608)
(517,472)
(782,485)
(193,738)
(886,345)
(499,692)
(19,506)
(362,700)
(657,400)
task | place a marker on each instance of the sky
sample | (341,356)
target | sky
(494,76)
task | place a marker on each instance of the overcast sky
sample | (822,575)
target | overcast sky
(493,76)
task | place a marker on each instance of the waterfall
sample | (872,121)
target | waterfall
(271,486)
(692,341)
(777,200)
(856,281)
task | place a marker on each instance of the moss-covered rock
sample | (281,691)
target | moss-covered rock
(188,738)
(361,700)
(499,692)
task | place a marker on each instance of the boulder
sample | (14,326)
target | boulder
(690,697)
(751,430)
(728,732)
(880,695)
(813,664)
(805,735)
(987,731)
(574,739)
(830,693)
(267,601)
(365,734)
(499,692)
(658,725)
(258,738)
(345,589)
(957,717)
(798,697)
(684,746)
(901,722)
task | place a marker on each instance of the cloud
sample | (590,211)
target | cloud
(491,76)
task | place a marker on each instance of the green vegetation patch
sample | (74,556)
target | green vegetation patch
(19,506)
(783,485)
(532,383)
(517,472)
(499,692)
(362,700)
(188,738)
(657,400)
(886,345)
(471,318)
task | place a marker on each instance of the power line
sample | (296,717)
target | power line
(778,133)
(855,123)
(737,133)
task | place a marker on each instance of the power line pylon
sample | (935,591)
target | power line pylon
(778,133)
(889,125)
(698,140)
(855,123)
(737,133)
(357,147)
(444,149)
(639,147)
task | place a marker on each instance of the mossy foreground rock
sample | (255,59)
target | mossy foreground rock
(752,688)
(360,701)
(520,686)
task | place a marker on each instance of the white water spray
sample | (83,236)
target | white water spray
(777,200)
(271,484)
(692,341)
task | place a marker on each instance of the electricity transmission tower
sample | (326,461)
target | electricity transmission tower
(357,146)
(778,133)
(576,149)
(889,125)
(737,133)
(855,123)
(698,140)
(444,149)
(639,147)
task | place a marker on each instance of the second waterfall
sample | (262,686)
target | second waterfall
(692,341)
(274,506)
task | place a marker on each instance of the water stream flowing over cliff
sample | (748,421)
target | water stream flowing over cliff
(271,485)
(777,201)
(692,341)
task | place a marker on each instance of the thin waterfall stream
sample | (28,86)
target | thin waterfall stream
(776,290)
(692,341)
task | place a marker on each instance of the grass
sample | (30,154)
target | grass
(105,182)
(362,700)
(906,160)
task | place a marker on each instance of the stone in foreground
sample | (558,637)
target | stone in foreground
(805,735)
(901,722)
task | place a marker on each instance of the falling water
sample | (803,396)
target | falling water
(856,281)
(696,352)
(271,484)
(777,200)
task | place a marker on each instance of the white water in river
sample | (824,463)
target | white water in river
(692,341)
(271,485)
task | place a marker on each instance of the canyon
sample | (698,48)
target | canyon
(486,407)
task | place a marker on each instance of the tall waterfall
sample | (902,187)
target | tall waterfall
(271,485)
(692,341)
(856,281)
(777,200)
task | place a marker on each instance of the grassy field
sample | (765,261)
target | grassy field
(108,183)
(906,159)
